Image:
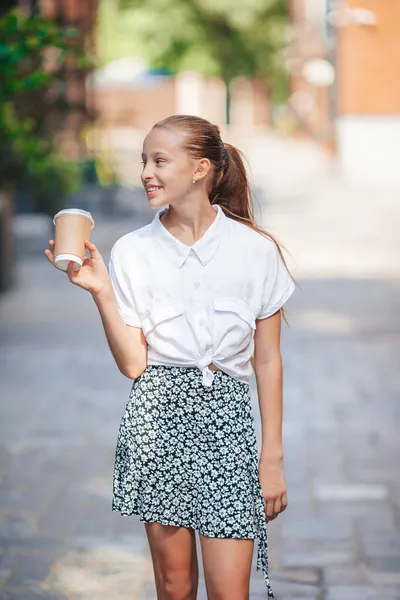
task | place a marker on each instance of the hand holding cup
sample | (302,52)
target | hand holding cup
(68,252)
(93,274)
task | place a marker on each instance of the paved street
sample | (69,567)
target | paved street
(63,397)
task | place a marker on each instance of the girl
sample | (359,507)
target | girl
(192,301)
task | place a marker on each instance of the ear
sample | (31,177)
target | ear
(202,169)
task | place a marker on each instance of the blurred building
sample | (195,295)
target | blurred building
(368,91)
(345,64)
(311,71)
(127,94)
(82,15)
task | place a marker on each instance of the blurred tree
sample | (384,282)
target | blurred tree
(33,54)
(33,51)
(225,38)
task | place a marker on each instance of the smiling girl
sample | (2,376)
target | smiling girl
(192,301)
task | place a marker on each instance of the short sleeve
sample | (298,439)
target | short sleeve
(278,285)
(122,291)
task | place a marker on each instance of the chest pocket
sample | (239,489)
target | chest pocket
(161,313)
(164,325)
(233,325)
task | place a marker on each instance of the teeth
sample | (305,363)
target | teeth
(153,189)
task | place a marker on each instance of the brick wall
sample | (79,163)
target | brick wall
(368,62)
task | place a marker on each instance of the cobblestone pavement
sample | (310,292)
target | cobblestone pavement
(62,400)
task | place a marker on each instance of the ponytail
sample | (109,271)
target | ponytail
(231,189)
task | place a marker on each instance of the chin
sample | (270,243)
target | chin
(157,203)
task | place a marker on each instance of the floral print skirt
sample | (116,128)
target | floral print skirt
(187,456)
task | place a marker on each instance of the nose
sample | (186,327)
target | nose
(147,173)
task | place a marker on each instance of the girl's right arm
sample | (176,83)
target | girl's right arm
(127,344)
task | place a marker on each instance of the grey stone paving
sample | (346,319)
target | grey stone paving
(62,398)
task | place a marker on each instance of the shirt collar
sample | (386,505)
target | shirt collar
(204,248)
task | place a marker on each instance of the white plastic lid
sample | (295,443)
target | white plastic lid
(74,211)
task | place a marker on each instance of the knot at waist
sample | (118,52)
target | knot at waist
(207,367)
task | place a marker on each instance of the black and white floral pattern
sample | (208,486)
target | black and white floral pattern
(186,456)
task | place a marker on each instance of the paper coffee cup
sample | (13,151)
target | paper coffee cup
(72,229)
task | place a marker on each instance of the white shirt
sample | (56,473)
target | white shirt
(198,304)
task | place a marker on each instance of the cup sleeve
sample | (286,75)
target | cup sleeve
(278,285)
(123,294)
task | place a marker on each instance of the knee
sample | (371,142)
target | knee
(179,586)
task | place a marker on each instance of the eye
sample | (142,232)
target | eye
(159,160)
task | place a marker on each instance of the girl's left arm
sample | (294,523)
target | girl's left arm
(268,371)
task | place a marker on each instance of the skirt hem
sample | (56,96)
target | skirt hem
(180,523)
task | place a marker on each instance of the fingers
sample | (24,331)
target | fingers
(269,509)
(72,273)
(94,253)
(275,506)
(50,257)
(50,253)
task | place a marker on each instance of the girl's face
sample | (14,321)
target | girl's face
(167,168)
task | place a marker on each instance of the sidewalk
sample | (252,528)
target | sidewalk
(63,397)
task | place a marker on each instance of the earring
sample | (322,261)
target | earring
(193,181)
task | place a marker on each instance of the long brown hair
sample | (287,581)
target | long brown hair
(230,186)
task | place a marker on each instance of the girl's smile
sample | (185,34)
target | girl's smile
(151,190)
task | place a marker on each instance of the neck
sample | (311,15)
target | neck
(190,221)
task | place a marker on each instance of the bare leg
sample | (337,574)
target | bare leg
(173,552)
(227,567)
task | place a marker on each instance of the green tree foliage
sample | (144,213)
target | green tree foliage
(33,52)
(227,38)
